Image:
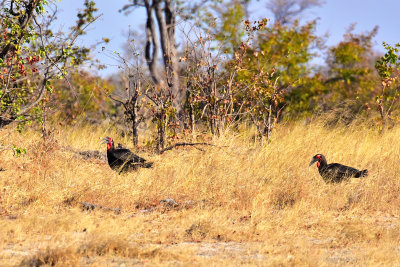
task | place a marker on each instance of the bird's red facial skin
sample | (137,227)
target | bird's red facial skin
(109,144)
(319,160)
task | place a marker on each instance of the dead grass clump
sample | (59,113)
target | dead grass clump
(198,231)
(284,195)
(53,257)
(120,246)
(98,247)
(113,246)
(353,231)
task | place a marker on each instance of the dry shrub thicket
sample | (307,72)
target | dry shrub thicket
(239,202)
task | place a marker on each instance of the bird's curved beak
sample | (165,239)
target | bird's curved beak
(313,161)
(105,140)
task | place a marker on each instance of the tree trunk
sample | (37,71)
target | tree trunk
(23,21)
(166,25)
(269,123)
(381,109)
(212,100)
(190,107)
(161,130)
(192,118)
(383,116)
(135,137)
(134,99)
(152,44)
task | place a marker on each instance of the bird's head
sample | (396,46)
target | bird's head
(109,141)
(318,159)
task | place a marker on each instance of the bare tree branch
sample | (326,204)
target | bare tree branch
(286,11)
(183,144)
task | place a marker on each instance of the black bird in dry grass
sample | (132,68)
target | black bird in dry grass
(335,172)
(122,159)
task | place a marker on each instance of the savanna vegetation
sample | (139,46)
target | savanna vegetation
(247,92)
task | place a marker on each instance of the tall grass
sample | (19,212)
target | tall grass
(240,203)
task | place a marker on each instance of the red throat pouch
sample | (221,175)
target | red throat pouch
(318,164)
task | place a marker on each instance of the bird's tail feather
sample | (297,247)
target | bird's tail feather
(147,164)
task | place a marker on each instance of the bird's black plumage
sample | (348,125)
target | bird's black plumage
(122,159)
(335,172)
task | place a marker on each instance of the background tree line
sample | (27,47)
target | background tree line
(227,70)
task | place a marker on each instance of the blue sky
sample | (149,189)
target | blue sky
(335,16)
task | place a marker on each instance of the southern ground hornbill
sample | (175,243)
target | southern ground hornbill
(335,172)
(122,159)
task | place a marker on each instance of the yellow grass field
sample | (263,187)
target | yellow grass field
(239,203)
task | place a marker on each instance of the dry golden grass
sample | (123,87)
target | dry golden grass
(239,203)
